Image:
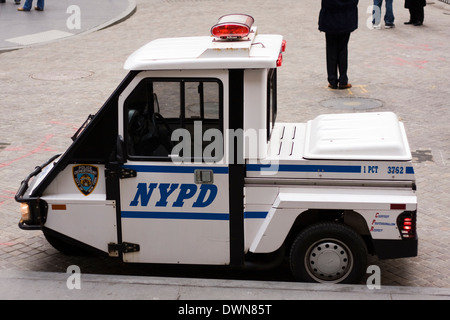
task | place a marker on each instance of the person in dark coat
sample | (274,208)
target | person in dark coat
(338,19)
(416,11)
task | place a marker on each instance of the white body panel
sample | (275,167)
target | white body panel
(174,229)
(368,202)
(254,120)
(88,219)
(98,232)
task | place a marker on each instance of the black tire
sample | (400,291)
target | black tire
(328,252)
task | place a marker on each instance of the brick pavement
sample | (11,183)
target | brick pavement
(406,68)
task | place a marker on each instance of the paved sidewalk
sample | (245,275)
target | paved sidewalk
(47,91)
(60,286)
(60,19)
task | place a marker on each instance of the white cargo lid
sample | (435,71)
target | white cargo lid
(357,136)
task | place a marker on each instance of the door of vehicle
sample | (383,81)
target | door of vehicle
(175,202)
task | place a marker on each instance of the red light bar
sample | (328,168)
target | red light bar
(234,26)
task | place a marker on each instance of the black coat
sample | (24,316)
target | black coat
(415,3)
(338,16)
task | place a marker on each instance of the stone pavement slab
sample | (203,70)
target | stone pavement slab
(47,91)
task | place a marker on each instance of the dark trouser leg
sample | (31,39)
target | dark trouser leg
(413,15)
(332,59)
(337,58)
(343,58)
(417,14)
(420,14)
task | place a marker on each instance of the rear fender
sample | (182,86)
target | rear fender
(378,209)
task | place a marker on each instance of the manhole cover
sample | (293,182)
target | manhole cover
(61,75)
(352,103)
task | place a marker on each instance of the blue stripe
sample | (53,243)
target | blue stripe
(188,215)
(255,215)
(175,169)
(409,170)
(304,168)
(175,215)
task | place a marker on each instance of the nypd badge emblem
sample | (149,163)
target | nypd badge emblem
(85,177)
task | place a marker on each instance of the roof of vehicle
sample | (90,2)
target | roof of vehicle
(254,51)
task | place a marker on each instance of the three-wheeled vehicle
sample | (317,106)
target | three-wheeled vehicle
(186,164)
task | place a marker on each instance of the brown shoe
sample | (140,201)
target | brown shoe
(22,9)
(345,86)
(331,86)
(38,9)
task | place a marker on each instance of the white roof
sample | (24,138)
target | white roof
(358,136)
(257,51)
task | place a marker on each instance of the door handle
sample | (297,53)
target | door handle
(204,176)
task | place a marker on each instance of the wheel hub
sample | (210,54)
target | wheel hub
(328,261)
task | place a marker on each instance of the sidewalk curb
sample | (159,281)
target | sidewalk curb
(440,5)
(127,13)
(44,285)
(132,8)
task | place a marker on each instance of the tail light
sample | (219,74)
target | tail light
(406,223)
(280,60)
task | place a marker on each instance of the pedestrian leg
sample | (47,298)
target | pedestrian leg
(332,60)
(343,59)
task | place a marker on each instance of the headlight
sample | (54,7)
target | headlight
(25,211)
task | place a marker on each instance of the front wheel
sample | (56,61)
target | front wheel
(63,246)
(328,252)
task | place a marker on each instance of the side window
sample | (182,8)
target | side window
(166,96)
(271,101)
(159,107)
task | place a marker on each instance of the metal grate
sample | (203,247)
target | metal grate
(445,1)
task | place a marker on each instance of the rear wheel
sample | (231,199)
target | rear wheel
(328,252)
